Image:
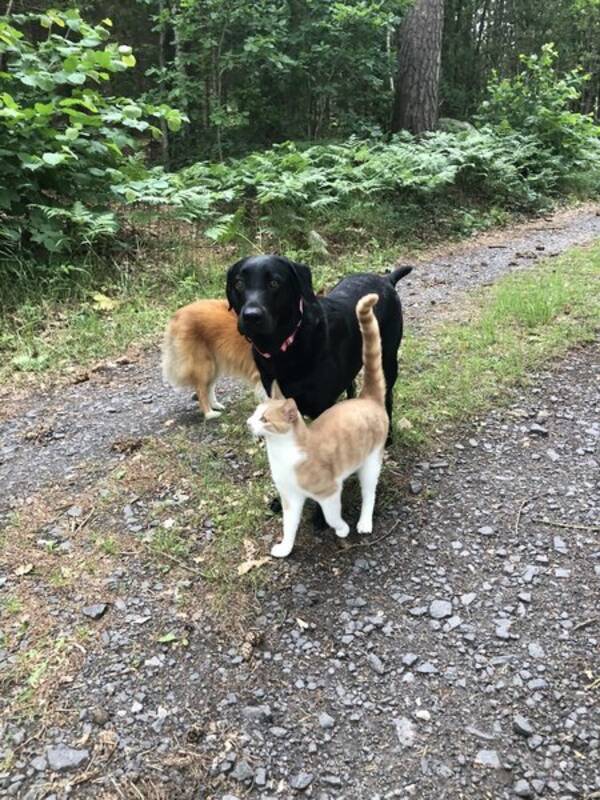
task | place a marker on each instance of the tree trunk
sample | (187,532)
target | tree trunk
(162,63)
(418,75)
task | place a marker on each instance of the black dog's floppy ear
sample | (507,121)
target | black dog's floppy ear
(232,274)
(303,277)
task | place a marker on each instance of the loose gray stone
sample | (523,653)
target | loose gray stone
(99,715)
(559,544)
(485,530)
(260,776)
(426,668)
(535,650)
(440,609)
(522,788)
(75,511)
(301,781)
(405,730)
(409,659)
(488,737)
(375,663)
(260,713)
(522,726)
(487,758)
(39,764)
(538,430)
(503,629)
(325,721)
(242,772)
(63,758)
(95,611)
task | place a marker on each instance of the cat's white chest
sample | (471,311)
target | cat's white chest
(284,456)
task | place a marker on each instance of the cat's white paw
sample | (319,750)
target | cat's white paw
(212,414)
(281,550)
(218,406)
(365,526)
(343,531)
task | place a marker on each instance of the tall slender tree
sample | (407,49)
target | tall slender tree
(418,74)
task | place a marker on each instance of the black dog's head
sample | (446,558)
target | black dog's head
(265,293)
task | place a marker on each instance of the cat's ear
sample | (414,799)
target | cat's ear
(290,411)
(276,393)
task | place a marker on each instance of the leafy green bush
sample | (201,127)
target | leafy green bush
(63,143)
(528,147)
(292,190)
(538,102)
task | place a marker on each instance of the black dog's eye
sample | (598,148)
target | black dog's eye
(274,284)
(239,284)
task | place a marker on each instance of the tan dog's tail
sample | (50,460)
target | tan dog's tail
(374,380)
(179,366)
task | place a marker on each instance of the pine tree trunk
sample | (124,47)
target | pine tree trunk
(162,63)
(418,75)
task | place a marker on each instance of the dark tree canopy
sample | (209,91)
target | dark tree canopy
(251,74)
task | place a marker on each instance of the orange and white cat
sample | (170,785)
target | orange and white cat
(314,461)
(202,343)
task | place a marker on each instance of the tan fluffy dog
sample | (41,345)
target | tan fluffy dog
(202,343)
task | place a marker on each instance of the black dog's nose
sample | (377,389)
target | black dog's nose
(252,314)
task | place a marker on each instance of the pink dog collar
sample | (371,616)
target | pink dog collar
(286,342)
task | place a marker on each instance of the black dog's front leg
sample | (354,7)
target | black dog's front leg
(318,519)
(275,505)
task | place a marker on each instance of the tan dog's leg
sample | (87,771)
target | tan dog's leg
(214,403)
(202,391)
(204,374)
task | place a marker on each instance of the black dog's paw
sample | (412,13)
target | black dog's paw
(275,505)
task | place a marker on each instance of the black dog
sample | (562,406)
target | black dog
(311,345)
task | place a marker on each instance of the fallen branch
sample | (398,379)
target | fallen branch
(556,524)
(520,511)
(371,542)
(586,623)
(181,564)
(85,521)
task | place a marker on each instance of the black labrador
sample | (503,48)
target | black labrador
(312,345)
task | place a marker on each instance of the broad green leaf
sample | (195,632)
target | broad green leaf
(54,159)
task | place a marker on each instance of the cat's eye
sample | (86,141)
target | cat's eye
(263,418)
(239,285)
(274,284)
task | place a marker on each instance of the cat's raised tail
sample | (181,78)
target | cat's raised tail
(373,380)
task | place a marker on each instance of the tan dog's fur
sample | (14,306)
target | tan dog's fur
(202,343)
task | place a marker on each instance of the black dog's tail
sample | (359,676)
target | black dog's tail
(397,274)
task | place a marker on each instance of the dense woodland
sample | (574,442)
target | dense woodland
(251,74)
(280,115)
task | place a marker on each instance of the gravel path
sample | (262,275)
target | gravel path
(455,656)
(67,435)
